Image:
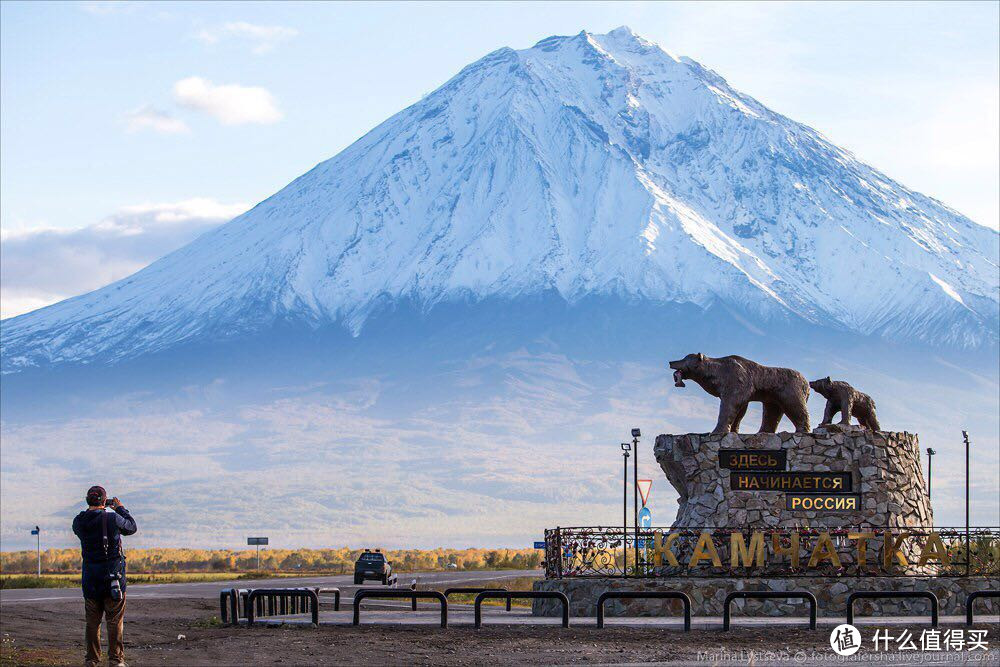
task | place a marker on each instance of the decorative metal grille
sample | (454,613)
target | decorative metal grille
(595,551)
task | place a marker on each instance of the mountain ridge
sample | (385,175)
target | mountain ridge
(587,164)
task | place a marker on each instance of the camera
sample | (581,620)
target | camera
(116,586)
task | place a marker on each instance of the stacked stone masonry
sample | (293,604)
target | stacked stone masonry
(885,467)
(886,472)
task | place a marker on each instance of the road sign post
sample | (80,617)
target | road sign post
(37,532)
(251,541)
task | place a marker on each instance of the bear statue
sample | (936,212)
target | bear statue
(737,381)
(845,399)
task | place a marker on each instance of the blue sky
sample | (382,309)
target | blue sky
(197,110)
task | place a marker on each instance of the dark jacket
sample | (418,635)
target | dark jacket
(99,564)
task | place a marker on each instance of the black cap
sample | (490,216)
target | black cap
(96,495)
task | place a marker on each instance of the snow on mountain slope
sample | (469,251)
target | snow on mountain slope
(590,164)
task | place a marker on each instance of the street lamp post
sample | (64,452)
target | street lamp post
(968,560)
(626,448)
(930,453)
(636,434)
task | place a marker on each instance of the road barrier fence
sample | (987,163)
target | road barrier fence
(281,601)
(638,595)
(534,595)
(975,595)
(363,593)
(875,595)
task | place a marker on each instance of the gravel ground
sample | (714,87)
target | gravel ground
(51,633)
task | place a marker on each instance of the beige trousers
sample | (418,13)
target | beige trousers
(114,611)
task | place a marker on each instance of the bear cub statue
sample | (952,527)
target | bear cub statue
(737,381)
(845,399)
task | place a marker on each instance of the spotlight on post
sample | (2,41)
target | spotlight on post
(636,434)
(930,453)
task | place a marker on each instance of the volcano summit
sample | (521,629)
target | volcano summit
(585,165)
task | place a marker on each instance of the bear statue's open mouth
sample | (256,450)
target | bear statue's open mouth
(678,379)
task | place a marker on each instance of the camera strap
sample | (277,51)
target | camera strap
(104,535)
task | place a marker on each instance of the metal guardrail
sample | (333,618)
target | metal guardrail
(767,595)
(284,598)
(363,593)
(224,606)
(336,596)
(633,595)
(534,595)
(268,602)
(875,595)
(975,595)
(470,591)
(233,597)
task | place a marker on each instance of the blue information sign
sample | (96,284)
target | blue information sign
(539,545)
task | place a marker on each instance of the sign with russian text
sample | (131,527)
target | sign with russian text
(753,459)
(796,548)
(827,502)
(837,482)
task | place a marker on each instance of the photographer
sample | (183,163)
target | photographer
(100,534)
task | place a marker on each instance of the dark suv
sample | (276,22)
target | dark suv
(372,565)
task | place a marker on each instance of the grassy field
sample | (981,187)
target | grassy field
(73,580)
(511,584)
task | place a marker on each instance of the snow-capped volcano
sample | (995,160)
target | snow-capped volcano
(590,164)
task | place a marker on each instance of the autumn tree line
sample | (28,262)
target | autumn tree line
(56,561)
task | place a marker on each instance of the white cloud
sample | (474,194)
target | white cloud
(231,104)
(263,37)
(150,118)
(41,266)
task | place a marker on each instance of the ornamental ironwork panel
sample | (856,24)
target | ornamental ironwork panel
(862,551)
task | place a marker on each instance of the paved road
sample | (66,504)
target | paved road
(210,589)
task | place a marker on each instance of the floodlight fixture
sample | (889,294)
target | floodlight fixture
(636,433)
(626,447)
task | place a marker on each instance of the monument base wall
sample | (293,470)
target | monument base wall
(708,594)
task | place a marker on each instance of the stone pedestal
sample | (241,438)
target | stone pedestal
(884,466)
(736,487)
